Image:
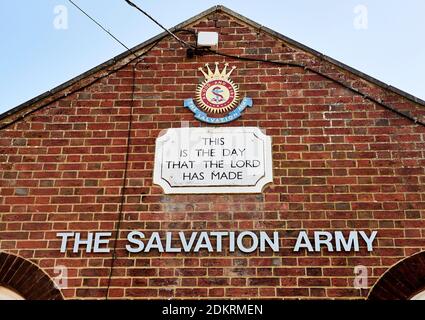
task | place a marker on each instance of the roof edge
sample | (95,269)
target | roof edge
(324,57)
(105,64)
(183,24)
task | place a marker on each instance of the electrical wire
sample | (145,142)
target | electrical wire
(4,126)
(293,64)
(124,185)
(184,43)
(281,63)
(198,50)
(101,27)
(66,94)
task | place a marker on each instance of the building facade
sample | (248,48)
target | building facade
(348,154)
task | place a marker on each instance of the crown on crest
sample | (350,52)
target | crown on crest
(217,74)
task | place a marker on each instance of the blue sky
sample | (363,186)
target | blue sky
(35,56)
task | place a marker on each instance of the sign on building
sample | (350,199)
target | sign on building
(213,160)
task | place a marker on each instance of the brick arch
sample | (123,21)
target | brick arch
(402,281)
(26,278)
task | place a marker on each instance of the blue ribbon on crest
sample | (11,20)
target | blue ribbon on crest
(231,116)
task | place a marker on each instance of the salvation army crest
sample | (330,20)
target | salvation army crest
(217,97)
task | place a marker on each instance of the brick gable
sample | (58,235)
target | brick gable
(340,162)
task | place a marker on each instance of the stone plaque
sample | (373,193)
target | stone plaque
(213,160)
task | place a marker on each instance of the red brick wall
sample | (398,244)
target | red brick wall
(340,163)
